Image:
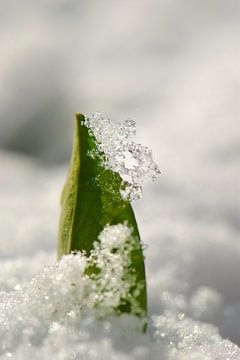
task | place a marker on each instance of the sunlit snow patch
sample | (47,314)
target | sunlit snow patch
(132,161)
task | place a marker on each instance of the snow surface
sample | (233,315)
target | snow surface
(192,272)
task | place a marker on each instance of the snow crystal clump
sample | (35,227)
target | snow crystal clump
(132,161)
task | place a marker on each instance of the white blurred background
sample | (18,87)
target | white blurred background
(171,65)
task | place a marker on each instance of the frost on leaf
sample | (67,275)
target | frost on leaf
(132,161)
(109,267)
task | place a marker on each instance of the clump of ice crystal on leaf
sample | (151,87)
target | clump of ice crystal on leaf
(132,161)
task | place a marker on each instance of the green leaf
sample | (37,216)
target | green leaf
(91,200)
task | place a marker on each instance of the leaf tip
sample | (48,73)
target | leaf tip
(79,116)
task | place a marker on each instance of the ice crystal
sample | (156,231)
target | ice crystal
(132,161)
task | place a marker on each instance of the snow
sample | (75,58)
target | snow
(132,161)
(192,272)
(66,291)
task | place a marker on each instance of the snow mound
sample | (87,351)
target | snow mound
(55,316)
